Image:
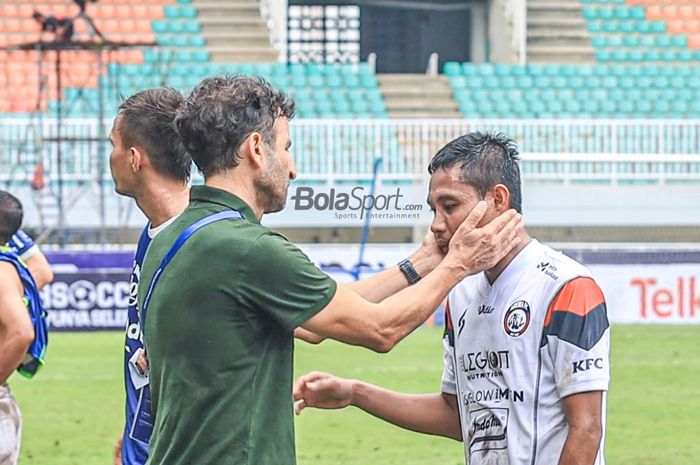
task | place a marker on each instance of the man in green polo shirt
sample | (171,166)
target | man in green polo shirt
(219,324)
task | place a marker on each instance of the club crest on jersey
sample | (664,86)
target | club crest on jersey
(517,318)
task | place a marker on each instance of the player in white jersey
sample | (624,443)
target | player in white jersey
(526,363)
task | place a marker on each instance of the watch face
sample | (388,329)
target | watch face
(411,274)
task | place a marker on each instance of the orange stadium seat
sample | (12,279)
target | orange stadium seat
(155,12)
(10,10)
(143,26)
(654,12)
(140,11)
(694,41)
(110,25)
(689,12)
(12,25)
(29,25)
(59,10)
(675,27)
(669,12)
(81,27)
(25,10)
(104,11)
(691,27)
(124,12)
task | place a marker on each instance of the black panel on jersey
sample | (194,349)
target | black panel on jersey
(449,330)
(582,331)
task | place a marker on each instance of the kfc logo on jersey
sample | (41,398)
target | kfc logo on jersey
(517,319)
(587,364)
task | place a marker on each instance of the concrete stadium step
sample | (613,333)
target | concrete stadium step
(539,21)
(230,24)
(556,32)
(403,77)
(560,58)
(559,49)
(252,34)
(235,31)
(424,104)
(553,4)
(438,114)
(244,56)
(418,96)
(393,91)
(555,15)
(239,8)
(236,41)
(568,42)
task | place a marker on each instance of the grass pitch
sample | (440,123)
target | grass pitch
(73,408)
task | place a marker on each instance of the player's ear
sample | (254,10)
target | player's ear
(501,197)
(136,158)
(252,149)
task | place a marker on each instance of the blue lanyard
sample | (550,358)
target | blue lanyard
(186,234)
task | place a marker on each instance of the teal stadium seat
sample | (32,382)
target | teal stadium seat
(179,12)
(452,68)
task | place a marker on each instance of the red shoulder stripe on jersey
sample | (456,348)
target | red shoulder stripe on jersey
(578,296)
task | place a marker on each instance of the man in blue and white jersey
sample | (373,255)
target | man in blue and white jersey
(23,329)
(149,164)
(23,245)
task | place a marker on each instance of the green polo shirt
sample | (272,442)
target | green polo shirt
(219,336)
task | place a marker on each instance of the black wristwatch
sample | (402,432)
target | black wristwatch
(407,269)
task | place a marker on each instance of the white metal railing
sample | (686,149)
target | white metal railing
(433,65)
(275,14)
(337,150)
(515,12)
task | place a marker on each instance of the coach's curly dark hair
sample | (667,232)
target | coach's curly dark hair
(485,159)
(222,111)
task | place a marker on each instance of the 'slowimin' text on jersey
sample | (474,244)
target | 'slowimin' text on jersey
(515,349)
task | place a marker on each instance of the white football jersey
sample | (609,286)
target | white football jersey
(515,349)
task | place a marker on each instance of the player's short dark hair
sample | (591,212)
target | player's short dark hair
(485,159)
(11,214)
(147,120)
(222,111)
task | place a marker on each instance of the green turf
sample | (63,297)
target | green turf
(73,408)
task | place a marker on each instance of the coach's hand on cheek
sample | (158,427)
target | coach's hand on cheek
(478,249)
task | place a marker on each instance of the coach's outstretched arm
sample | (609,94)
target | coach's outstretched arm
(379,326)
(390,281)
(436,414)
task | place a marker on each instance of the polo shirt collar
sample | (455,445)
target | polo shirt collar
(224,198)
